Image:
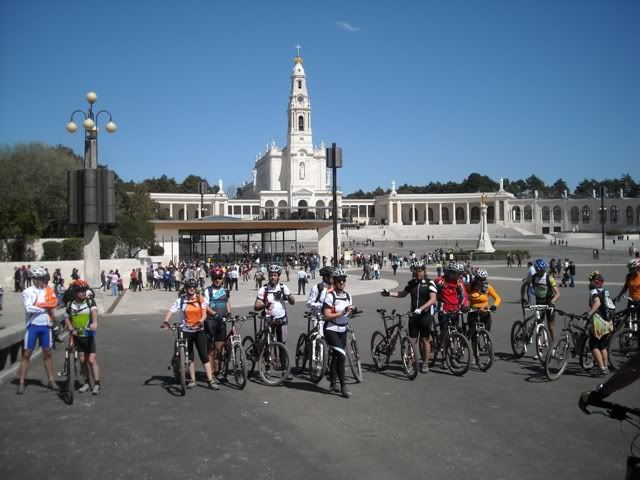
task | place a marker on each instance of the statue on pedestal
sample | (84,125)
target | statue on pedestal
(484,241)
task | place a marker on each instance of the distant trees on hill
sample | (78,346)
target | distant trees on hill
(476,182)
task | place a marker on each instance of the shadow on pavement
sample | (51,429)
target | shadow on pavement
(164,381)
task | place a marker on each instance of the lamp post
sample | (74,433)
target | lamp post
(334,161)
(602,214)
(94,191)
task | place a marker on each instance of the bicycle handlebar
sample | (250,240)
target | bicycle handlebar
(614,410)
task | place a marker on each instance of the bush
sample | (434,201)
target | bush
(155,250)
(51,250)
(107,245)
(71,249)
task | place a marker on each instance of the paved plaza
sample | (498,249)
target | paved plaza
(507,423)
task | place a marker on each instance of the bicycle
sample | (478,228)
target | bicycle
(383,345)
(573,340)
(312,347)
(451,343)
(270,355)
(481,344)
(180,359)
(233,357)
(353,353)
(69,370)
(529,329)
(624,342)
(620,413)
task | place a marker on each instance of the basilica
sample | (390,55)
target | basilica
(293,183)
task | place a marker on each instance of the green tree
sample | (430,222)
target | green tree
(33,191)
(134,212)
(557,189)
(191,185)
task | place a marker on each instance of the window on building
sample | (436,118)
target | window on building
(301,123)
(299,83)
(586,214)
(301,170)
(614,214)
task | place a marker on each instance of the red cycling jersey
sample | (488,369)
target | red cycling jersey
(451,295)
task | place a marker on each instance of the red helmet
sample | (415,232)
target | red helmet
(216,272)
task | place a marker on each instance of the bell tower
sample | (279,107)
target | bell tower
(299,132)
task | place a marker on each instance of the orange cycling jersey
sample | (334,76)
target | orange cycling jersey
(633,284)
(480,299)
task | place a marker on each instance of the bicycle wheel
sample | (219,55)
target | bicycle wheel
(380,350)
(483,350)
(435,347)
(586,357)
(557,357)
(518,336)
(318,360)
(249,347)
(239,366)
(542,342)
(353,355)
(623,344)
(457,354)
(409,358)
(301,352)
(273,364)
(182,370)
(71,377)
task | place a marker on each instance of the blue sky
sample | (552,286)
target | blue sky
(418,91)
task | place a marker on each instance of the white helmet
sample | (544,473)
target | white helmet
(481,273)
(633,264)
(38,272)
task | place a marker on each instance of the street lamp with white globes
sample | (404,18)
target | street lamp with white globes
(90,124)
(91,192)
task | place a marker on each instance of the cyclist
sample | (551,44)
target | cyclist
(423,294)
(601,325)
(193,312)
(452,296)
(319,291)
(218,306)
(272,298)
(39,302)
(336,309)
(81,319)
(545,290)
(479,291)
(631,282)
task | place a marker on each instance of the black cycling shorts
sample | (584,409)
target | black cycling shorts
(86,345)
(599,343)
(198,338)
(420,325)
(216,329)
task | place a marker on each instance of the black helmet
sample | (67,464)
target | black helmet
(191,282)
(326,271)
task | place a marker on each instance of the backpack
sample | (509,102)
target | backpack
(607,305)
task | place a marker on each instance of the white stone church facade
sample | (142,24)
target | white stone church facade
(293,182)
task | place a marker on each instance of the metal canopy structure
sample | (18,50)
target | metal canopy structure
(226,239)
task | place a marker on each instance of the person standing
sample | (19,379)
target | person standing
(193,312)
(81,319)
(113,283)
(103,281)
(302,280)
(272,298)
(337,308)
(601,312)
(39,303)
(423,294)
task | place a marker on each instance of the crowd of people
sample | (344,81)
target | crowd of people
(456,287)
